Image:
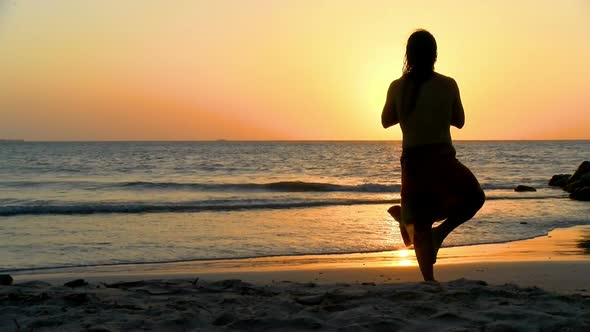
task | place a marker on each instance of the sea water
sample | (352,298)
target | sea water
(94,203)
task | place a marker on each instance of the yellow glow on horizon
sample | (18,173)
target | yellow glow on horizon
(292,69)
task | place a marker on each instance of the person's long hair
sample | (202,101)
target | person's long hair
(418,67)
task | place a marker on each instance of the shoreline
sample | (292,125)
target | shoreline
(57,269)
(563,247)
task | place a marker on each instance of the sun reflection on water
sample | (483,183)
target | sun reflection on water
(406,258)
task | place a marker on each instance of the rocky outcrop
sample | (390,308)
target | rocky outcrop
(582,171)
(522,188)
(559,180)
(581,194)
(578,185)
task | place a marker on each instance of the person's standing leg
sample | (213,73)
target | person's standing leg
(424,249)
(422,241)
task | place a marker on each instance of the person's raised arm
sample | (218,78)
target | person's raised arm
(389,115)
(458,115)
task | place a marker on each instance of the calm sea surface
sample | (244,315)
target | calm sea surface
(73,204)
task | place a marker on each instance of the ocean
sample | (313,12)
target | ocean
(98,203)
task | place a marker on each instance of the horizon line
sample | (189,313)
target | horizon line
(280,140)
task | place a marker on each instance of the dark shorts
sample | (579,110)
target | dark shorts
(435,184)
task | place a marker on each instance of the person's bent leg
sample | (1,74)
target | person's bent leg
(464,210)
(424,249)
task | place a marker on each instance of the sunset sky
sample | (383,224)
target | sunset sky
(283,69)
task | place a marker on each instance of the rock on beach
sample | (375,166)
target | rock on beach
(578,185)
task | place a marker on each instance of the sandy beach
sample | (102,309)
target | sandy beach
(529,285)
(294,165)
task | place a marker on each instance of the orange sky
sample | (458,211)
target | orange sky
(289,69)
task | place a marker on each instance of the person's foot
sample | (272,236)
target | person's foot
(396,212)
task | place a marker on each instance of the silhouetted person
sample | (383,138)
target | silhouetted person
(435,185)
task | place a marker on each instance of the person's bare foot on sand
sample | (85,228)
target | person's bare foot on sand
(396,212)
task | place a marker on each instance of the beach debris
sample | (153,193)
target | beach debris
(524,223)
(6,279)
(523,188)
(311,299)
(195,281)
(76,283)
